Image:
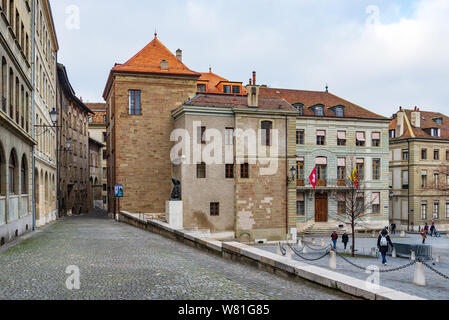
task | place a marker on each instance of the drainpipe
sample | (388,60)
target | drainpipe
(287,169)
(408,191)
(33,111)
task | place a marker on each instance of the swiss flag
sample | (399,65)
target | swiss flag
(312,178)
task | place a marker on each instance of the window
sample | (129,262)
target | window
(392,134)
(299,107)
(423,154)
(201,170)
(266,133)
(321,138)
(424,179)
(435,132)
(361,169)
(375,137)
(436,210)
(300,137)
(89,119)
(104,137)
(447,209)
(319,111)
(360,139)
(405,179)
(436,154)
(376,169)
(24,176)
(104,119)
(300,205)
(436,178)
(339,112)
(214,209)
(229,171)
(134,102)
(341,204)
(447,155)
(201,88)
(321,170)
(244,171)
(438,120)
(12,173)
(201,135)
(236,89)
(300,168)
(341,138)
(104,187)
(341,169)
(226,89)
(405,155)
(375,202)
(424,210)
(229,136)
(360,203)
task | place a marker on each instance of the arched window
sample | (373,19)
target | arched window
(24,176)
(12,173)
(299,107)
(266,127)
(4,87)
(319,110)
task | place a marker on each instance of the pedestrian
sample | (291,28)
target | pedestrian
(345,239)
(424,236)
(426,228)
(382,243)
(432,229)
(334,238)
(393,228)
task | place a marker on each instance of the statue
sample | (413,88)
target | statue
(176,193)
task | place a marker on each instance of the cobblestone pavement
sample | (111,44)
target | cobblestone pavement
(437,287)
(118,261)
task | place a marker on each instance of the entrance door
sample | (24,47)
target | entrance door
(321,207)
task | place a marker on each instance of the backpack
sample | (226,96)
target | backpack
(383,242)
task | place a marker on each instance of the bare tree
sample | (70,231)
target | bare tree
(353,207)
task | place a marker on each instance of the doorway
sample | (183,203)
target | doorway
(321,207)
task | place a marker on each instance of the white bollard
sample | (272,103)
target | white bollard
(437,260)
(393,254)
(313,241)
(373,252)
(278,251)
(402,234)
(305,250)
(322,243)
(333,260)
(413,256)
(288,253)
(299,243)
(373,235)
(420,278)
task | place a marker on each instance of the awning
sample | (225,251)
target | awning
(341,135)
(361,136)
(360,160)
(321,161)
(376,198)
(376,135)
(321,133)
(300,197)
(341,162)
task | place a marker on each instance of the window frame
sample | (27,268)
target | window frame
(215,209)
(201,170)
(132,95)
(244,170)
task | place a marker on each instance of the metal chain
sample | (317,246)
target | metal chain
(435,270)
(283,250)
(321,249)
(382,270)
(307,259)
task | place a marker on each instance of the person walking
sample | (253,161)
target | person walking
(382,243)
(345,239)
(426,228)
(393,228)
(334,238)
(423,235)
(432,229)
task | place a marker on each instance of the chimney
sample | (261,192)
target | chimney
(164,65)
(400,123)
(416,118)
(179,54)
(253,92)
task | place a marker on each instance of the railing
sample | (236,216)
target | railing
(322,183)
(2,210)
(420,250)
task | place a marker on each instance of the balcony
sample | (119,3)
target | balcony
(322,184)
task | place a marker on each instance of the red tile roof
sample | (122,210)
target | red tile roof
(427,122)
(213,80)
(148,60)
(96,106)
(214,100)
(313,98)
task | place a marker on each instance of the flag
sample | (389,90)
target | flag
(312,178)
(355,178)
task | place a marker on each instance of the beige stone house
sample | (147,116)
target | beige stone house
(419,175)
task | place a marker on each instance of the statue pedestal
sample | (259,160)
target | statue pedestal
(174,214)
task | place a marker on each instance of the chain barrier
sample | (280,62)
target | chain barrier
(283,250)
(307,259)
(321,249)
(381,270)
(435,270)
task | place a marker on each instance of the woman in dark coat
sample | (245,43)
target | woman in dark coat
(382,243)
(345,239)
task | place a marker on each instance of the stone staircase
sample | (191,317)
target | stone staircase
(322,229)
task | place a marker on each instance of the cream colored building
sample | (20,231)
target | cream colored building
(16,125)
(419,176)
(46,48)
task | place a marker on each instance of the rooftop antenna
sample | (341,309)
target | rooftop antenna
(155,33)
(327,88)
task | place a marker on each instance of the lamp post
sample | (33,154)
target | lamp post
(292,176)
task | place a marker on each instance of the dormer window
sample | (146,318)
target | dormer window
(236,89)
(340,112)
(392,134)
(435,132)
(299,107)
(201,88)
(438,120)
(226,89)
(319,111)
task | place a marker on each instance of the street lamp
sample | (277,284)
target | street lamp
(292,176)
(54,117)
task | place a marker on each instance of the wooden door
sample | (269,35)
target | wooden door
(321,207)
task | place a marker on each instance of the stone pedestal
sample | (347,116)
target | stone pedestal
(174,214)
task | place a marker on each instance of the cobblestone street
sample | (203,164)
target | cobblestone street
(117,261)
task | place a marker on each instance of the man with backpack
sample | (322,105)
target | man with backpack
(382,243)
(334,238)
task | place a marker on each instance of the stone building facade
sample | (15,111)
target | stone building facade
(97,131)
(335,136)
(16,122)
(45,54)
(95,199)
(419,169)
(74,171)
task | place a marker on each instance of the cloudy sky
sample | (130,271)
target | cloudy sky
(380,54)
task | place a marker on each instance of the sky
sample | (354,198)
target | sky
(379,54)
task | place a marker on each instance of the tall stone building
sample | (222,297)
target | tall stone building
(95,199)
(16,124)
(140,95)
(97,131)
(73,147)
(45,54)
(419,169)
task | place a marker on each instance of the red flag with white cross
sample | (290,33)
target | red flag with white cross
(313,179)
